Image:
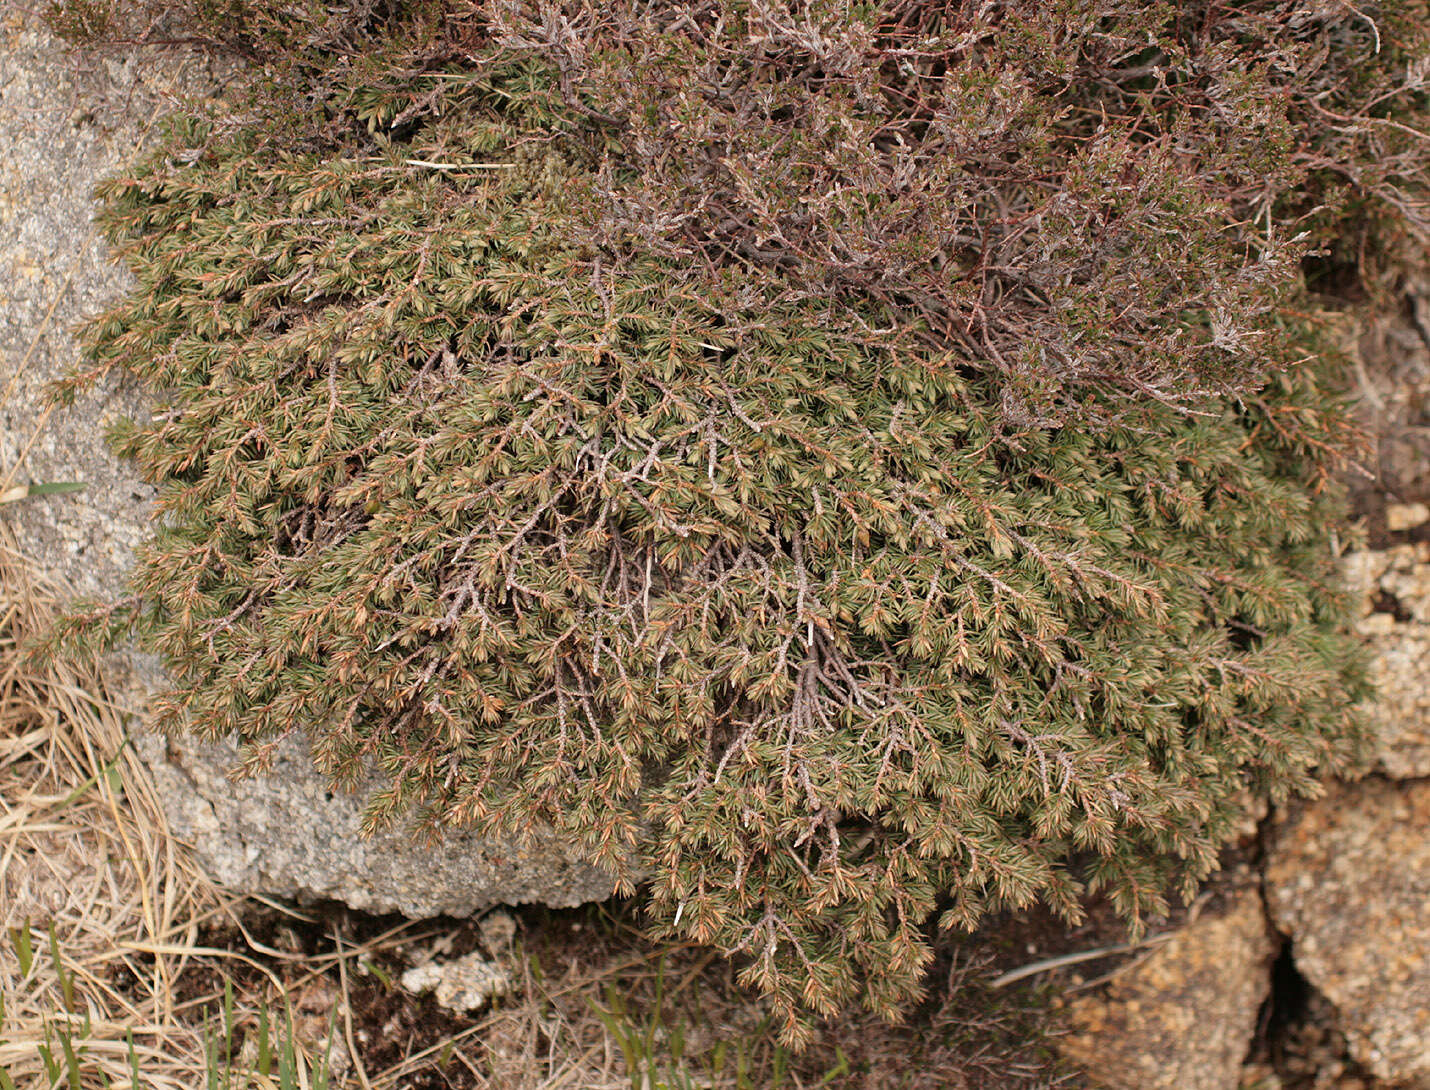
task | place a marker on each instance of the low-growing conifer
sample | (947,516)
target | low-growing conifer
(852,468)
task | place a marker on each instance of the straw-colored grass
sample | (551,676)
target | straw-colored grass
(100,909)
(89,880)
(90,883)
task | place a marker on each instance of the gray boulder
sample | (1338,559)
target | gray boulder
(286,833)
(66,122)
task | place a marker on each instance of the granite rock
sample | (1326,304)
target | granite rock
(1400,517)
(287,834)
(1393,593)
(67,121)
(1183,1016)
(1348,879)
(463,985)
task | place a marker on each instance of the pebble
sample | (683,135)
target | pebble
(464,985)
(1406,516)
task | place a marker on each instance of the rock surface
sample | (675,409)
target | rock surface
(1388,347)
(1349,880)
(1400,517)
(1394,595)
(286,834)
(1184,1016)
(65,123)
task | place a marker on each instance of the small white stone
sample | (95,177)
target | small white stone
(463,985)
(1406,516)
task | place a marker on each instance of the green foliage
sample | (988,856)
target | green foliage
(654,1050)
(842,466)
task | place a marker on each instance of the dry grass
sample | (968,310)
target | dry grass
(109,903)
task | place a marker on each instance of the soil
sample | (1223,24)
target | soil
(581,964)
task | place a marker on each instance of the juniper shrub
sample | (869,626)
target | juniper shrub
(850,467)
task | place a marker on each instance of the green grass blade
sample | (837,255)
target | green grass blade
(55,488)
(265,1045)
(107,771)
(72,1067)
(227,1034)
(24,944)
(66,979)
